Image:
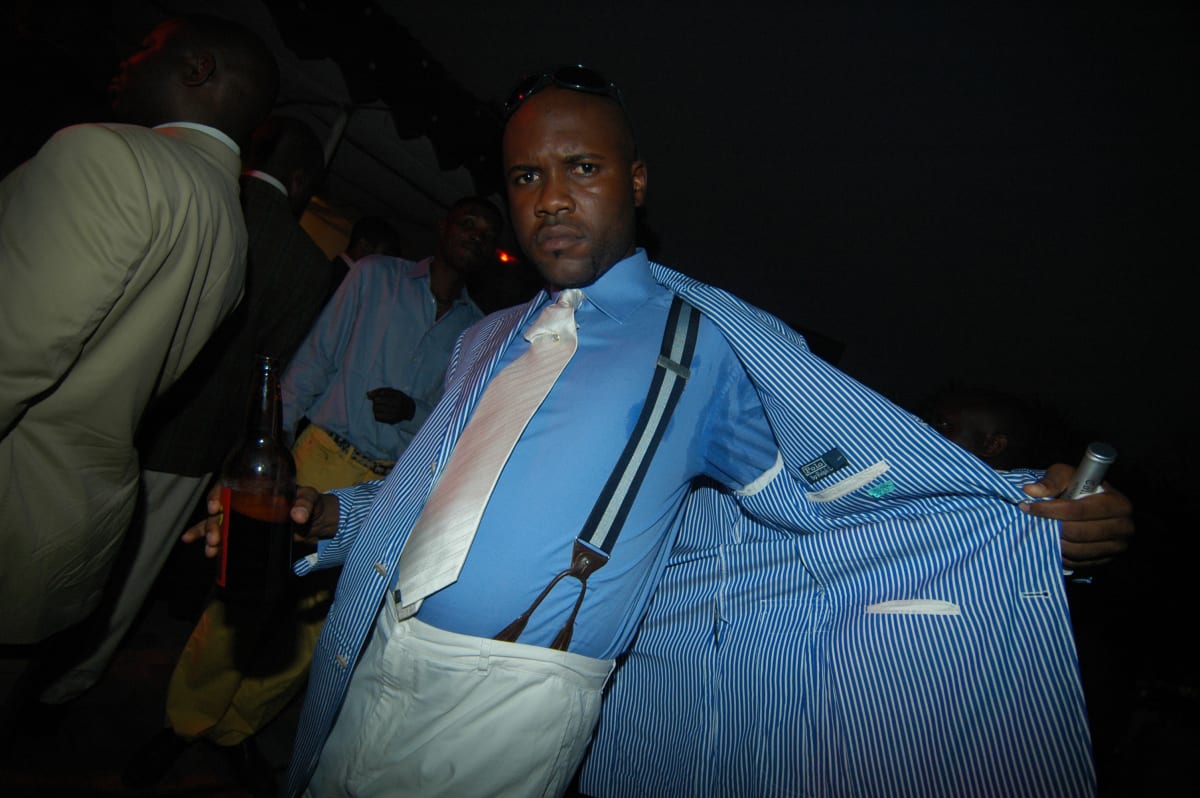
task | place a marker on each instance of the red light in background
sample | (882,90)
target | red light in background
(504,257)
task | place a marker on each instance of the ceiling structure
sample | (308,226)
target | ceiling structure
(403,139)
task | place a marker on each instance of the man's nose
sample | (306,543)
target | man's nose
(554,197)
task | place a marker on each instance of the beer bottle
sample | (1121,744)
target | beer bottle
(258,485)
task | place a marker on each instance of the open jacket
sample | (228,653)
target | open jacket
(930,650)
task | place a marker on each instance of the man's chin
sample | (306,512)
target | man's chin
(569,272)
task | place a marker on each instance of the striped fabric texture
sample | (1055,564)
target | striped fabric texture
(877,620)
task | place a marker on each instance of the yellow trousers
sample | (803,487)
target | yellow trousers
(323,464)
(229,684)
(210,696)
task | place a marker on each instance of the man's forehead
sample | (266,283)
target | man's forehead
(575,122)
(555,106)
(474,211)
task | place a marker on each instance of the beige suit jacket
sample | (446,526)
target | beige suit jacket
(121,249)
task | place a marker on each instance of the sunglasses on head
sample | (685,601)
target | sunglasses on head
(565,76)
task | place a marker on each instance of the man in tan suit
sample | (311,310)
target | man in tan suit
(122,246)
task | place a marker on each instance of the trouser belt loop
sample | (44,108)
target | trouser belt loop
(485,656)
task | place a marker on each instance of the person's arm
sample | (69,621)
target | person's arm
(331,520)
(318,359)
(75,222)
(315,514)
(1095,529)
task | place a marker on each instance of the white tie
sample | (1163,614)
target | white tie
(433,556)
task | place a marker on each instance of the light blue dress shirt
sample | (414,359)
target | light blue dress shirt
(565,455)
(920,639)
(379,330)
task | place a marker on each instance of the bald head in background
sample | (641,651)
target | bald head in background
(198,69)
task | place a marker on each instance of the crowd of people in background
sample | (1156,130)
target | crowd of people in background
(147,261)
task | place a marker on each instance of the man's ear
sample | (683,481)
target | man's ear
(198,68)
(637,171)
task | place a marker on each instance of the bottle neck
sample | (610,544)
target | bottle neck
(264,418)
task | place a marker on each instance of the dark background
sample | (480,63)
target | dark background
(994,193)
(997,194)
(1001,194)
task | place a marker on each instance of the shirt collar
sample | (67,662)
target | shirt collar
(266,178)
(212,131)
(421,267)
(624,288)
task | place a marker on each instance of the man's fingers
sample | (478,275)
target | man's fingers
(193,533)
(1110,503)
(1114,532)
(1091,554)
(1056,480)
(210,531)
(1095,528)
(306,506)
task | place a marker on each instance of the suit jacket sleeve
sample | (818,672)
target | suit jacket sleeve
(288,273)
(75,222)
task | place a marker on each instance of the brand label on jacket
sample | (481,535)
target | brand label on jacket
(816,470)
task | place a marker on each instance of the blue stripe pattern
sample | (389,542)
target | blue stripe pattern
(759,670)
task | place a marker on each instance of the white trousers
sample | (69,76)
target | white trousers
(433,713)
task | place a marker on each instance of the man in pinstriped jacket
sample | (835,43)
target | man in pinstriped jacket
(929,647)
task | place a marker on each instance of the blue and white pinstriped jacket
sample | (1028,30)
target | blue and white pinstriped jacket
(926,645)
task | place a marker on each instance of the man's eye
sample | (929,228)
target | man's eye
(585,168)
(523,178)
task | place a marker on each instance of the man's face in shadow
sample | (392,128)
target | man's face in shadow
(468,238)
(142,89)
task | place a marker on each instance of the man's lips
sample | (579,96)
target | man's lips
(556,236)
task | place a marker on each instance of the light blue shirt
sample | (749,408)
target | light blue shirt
(379,330)
(566,453)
